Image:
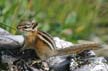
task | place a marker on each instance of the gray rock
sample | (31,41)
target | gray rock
(4,32)
(96,64)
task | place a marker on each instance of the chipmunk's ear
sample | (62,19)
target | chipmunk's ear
(35,25)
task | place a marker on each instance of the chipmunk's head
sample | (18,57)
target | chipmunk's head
(27,27)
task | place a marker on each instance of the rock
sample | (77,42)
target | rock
(4,32)
(8,41)
(60,63)
(11,41)
(96,64)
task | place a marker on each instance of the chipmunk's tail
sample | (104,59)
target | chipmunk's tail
(78,48)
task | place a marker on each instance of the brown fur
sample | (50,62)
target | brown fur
(34,42)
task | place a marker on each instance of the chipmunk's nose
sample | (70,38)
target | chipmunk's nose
(19,27)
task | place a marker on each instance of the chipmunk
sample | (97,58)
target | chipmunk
(43,43)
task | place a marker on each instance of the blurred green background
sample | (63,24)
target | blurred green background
(68,19)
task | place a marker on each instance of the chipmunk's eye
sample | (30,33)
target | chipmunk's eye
(25,27)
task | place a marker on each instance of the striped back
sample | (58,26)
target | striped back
(47,38)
